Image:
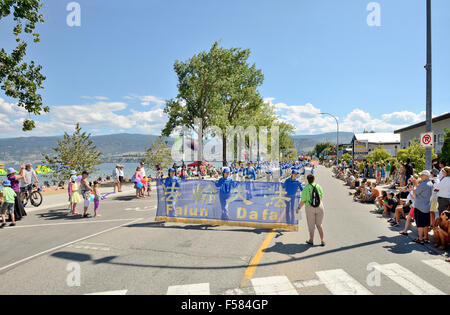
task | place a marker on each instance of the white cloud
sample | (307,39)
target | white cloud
(11,109)
(307,119)
(147,100)
(98,98)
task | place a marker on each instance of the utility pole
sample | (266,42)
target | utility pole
(429,109)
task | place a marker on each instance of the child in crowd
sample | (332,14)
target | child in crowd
(149,186)
(7,205)
(442,231)
(96,199)
(74,194)
(390,206)
(381,202)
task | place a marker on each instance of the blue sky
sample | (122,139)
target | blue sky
(113,73)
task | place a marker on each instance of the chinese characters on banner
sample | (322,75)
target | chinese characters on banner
(247,204)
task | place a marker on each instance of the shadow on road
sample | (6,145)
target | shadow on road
(196,227)
(401,245)
(60,214)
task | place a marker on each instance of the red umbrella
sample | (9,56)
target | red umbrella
(195,164)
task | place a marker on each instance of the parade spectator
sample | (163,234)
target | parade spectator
(121,177)
(422,206)
(26,183)
(443,191)
(442,231)
(11,175)
(314,215)
(7,205)
(116,174)
(74,195)
(69,189)
(85,190)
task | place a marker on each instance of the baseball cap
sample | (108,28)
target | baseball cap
(425,173)
(171,169)
(226,170)
(294,171)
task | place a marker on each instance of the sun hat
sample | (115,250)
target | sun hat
(10,171)
(73,172)
(73,178)
(425,173)
(6,183)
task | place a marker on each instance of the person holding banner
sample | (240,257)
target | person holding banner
(225,185)
(250,175)
(292,185)
(171,186)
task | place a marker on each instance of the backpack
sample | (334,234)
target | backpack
(315,200)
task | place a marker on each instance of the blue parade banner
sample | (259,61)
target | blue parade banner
(247,204)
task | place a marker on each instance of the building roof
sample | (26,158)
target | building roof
(423,123)
(378,138)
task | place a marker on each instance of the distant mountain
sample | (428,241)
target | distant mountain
(306,143)
(113,146)
(124,147)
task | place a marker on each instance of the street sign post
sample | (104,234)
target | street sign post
(426,140)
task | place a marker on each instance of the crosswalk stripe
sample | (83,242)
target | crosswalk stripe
(191,289)
(408,280)
(440,265)
(341,283)
(279,285)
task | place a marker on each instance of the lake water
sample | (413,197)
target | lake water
(105,169)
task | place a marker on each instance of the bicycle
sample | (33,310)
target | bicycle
(33,196)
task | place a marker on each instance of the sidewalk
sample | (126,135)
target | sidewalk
(62,200)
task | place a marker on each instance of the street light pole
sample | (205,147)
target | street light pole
(429,109)
(337,135)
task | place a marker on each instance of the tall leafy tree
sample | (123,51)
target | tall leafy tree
(416,153)
(158,153)
(445,156)
(19,79)
(199,81)
(74,152)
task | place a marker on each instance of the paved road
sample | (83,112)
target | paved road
(126,252)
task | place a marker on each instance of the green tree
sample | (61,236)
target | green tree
(379,155)
(199,81)
(21,80)
(321,146)
(347,157)
(158,153)
(74,152)
(445,156)
(416,153)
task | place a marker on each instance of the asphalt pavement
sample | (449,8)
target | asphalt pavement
(125,252)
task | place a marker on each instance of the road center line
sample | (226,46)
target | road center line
(67,244)
(256,259)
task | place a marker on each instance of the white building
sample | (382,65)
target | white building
(414,132)
(365,143)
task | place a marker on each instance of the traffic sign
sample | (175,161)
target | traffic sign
(426,140)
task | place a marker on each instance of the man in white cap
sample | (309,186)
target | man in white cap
(422,205)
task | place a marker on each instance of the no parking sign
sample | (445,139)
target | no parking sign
(426,140)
